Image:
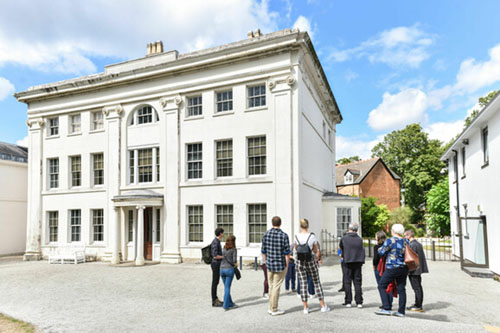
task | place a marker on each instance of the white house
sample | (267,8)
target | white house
(143,161)
(13,198)
(474,174)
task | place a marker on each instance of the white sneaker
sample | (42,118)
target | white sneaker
(348,305)
(277,313)
(314,296)
(269,311)
(325,309)
(360,306)
(266,296)
(298,296)
(306,310)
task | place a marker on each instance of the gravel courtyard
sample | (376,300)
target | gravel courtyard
(166,298)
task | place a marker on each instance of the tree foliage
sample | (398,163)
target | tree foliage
(347,160)
(483,101)
(438,208)
(402,215)
(416,159)
(369,213)
(381,223)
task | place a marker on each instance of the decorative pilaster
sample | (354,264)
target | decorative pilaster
(139,260)
(115,239)
(35,187)
(171,221)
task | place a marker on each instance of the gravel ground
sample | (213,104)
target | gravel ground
(98,297)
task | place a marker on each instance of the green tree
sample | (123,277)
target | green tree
(401,215)
(483,101)
(369,213)
(383,218)
(438,208)
(347,160)
(416,159)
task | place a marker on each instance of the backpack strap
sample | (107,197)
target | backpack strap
(297,240)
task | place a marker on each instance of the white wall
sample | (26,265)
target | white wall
(330,206)
(479,188)
(13,206)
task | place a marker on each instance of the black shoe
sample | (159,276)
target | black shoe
(415,309)
(217,303)
(341,290)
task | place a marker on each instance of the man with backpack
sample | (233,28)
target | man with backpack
(354,258)
(216,252)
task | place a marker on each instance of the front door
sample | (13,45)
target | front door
(148,233)
(474,242)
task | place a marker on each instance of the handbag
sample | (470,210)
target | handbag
(411,258)
(206,254)
(237,273)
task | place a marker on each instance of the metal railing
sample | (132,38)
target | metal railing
(435,249)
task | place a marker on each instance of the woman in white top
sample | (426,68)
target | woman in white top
(307,255)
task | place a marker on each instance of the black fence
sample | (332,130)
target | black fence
(436,249)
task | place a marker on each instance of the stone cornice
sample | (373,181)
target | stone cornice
(113,111)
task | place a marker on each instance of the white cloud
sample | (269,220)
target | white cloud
(397,47)
(23,142)
(64,35)
(350,75)
(303,24)
(6,88)
(474,75)
(352,146)
(444,131)
(406,107)
(436,97)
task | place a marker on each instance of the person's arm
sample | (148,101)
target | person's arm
(263,249)
(385,248)
(235,257)
(213,249)
(286,251)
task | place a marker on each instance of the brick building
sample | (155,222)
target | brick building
(370,178)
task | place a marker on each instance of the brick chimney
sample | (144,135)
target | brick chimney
(154,48)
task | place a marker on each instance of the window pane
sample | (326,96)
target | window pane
(98,166)
(53,173)
(224,157)
(75,225)
(194,161)
(98,224)
(76,171)
(224,101)
(257,156)
(256,222)
(195,223)
(225,219)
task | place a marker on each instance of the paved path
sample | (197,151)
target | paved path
(166,298)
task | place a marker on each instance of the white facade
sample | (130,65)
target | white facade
(175,214)
(339,211)
(13,194)
(476,175)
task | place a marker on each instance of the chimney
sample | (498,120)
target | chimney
(154,48)
(257,33)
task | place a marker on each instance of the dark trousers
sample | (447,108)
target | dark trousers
(352,274)
(290,276)
(378,278)
(416,285)
(266,283)
(310,286)
(215,278)
(399,275)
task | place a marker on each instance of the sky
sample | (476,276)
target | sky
(389,63)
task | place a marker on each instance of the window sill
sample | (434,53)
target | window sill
(101,130)
(75,134)
(223,113)
(154,123)
(194,117)
(257,108)
(52,137)
(485,165)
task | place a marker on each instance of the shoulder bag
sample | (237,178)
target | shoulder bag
(411,258)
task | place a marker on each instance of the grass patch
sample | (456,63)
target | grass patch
(9,324)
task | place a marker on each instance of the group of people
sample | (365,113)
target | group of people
(281,261)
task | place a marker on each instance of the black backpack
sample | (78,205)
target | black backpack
(304,252)
(206,254)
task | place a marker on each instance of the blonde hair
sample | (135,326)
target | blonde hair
(304,223)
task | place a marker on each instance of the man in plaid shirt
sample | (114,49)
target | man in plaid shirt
(276,254)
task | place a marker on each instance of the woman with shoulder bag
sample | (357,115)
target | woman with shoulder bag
(307,255)
(227,268)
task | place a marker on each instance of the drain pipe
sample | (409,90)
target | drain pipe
(459,222)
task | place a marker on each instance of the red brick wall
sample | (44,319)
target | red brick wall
(380,184)
(349,190)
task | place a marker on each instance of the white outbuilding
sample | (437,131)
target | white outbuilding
(144,161)
(13,194)
(474,174)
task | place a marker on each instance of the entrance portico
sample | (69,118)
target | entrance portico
(139,201)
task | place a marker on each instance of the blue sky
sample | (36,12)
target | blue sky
(390,63)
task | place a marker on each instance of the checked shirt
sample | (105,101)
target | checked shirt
(275,245)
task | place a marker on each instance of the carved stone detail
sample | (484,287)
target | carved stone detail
(271,84)
(178,100)
(290,80)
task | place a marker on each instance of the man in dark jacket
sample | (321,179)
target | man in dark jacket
(353,254)
(216,250)
(416,275)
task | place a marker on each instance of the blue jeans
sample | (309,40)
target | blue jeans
(399,275)
(378,278)
(310,286)
(227,275)
(290,276)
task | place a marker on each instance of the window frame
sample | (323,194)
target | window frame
(133,165)
(50,173)
(195,228)
(192,107)
(72,172)
(94,225)
(93,122)
(229,101)
(50,227)
(344,223)
(130,226)
(94,170)
(198,162)
(73,227)
(134,121)
(485,146)
(72,124)
(53,128)
(264,156)
(463,157)
(261,223)
(228,226)
(261,97)
(224,161)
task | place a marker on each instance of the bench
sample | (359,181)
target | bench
(67,254)
(249,252)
